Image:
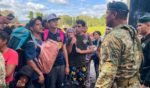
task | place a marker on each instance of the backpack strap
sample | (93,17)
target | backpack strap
(46,31)
(132,35)
(34,40)
(61,33)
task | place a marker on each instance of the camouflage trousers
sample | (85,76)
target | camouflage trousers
(127,83)
(122,83)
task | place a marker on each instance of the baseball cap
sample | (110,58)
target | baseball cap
(52,17)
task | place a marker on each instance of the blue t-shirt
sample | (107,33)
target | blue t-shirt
(29,52)
(94,56)
(60,57)
(32,51)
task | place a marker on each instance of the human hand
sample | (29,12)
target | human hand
(41,79)
(143,86)
(67,70)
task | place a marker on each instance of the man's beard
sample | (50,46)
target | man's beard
(109,24)
(37,32)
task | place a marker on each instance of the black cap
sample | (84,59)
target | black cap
(118,6)
(144,19)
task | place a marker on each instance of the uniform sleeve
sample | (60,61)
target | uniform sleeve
(110,54)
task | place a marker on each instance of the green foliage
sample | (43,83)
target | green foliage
(38,14)
(6,12)
(102,20)
(97,28)
(91,21)
(31,15)
(66,21)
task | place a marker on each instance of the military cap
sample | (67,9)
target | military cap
(118,6)
(144,19)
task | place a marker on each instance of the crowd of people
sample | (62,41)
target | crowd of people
(119,57)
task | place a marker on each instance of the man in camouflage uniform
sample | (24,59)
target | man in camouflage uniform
(2,72)
(121,52)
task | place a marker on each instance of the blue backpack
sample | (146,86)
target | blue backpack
(18,37)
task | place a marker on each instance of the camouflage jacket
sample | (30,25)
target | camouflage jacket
(2,71)
(121,56)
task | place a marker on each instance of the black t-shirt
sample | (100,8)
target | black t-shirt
(60,57)
(146,51)
(76,59)
(97,43)
(145,69)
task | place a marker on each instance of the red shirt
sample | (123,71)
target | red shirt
(11,58)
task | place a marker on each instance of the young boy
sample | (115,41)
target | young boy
(77,56)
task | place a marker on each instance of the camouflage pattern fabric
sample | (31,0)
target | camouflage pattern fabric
(121,56)
(2,72)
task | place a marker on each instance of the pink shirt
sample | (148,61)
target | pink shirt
(11,58)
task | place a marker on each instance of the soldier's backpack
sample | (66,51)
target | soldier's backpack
(18,37)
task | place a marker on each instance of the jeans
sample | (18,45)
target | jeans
(55,79)
(96,64)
